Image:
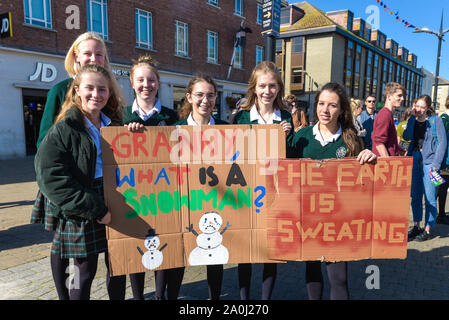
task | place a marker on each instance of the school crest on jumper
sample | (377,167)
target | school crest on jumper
(162,123)
(340,153)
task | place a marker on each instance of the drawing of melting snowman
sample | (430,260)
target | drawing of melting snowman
(153,258)
(209,249)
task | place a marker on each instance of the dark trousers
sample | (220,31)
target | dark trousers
(268,280)
(337,273)
(170,279)
(85,271)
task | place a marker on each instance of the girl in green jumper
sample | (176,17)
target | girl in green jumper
(333,136)
(147,110)
(88,48)
(264,105)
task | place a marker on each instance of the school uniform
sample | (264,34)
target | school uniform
(252,116)
(157,116)
(214,272)
(309,143)
(69,173)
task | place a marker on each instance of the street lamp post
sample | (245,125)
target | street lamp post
(440,36)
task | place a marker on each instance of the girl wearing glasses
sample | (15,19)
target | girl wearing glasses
(264,105)
(201,93)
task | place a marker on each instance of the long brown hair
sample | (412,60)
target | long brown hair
(349,133)
(114,105)
(263,68)
(186,107)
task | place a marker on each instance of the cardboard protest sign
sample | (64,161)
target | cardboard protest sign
(345,211)
(187,195)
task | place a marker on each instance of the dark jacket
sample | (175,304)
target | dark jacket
(65,169)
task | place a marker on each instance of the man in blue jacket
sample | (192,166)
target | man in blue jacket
(366,118)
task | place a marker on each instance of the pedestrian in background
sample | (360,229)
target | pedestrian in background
(69,172)
(88,48)
(333,136)
(404,144)
(357,108)
(366,118)
(442,218)
(264,105)
(147,110)
(384,136)
(298,115)
(428,150)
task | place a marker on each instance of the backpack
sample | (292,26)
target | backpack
(444,118)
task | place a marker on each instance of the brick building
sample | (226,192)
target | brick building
(184,37)
(319,47)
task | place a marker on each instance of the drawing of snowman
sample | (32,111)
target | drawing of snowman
(153,258)
(209,249)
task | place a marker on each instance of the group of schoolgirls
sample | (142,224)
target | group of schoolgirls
(69,162)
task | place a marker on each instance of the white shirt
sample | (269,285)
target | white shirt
(319,136)
(95,134)
(255,115)
(145,116)
(192,122)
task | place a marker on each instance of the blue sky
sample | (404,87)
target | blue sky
(419,13)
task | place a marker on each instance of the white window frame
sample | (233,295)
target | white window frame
(259,13)
(184,51)
(238,58)
(259,53)
(104,17)
(212,36)
(30,20)
(213,3)
(238,7)
(149,20)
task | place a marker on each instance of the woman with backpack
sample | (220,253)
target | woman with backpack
(428,147)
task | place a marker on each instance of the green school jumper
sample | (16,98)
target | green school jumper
(304,145)
(166,117)
(55,99)
(183,122)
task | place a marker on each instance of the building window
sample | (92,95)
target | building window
(144,29)
(350,21)
(38,13)
(297,75)
(349,66)
(278,45)
(259,13)
(181,39)
(285,16)
(357,66)
(369,72)
(238,7)
(375,74)
(213,2)
(238,58)
(259,54)
(97,17)
(297,44)
(368,34)
(212,47)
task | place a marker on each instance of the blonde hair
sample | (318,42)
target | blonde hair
(355,103)
(186,107)
(114,105)
(263,68)
(144,61)
(71,66)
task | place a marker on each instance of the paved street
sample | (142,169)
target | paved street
(25,268)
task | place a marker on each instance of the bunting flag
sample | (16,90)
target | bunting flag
(392,12)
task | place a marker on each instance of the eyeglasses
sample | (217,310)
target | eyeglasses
(371,101)
(200,96)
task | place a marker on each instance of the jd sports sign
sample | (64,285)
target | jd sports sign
(6,25)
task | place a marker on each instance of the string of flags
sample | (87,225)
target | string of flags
(392,12)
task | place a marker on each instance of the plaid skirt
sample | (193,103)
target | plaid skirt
(78,239)
(41,213)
